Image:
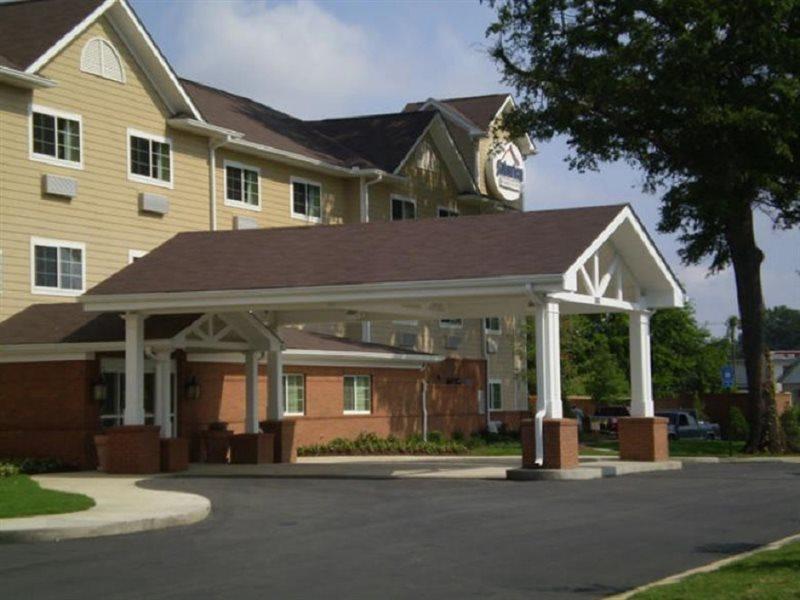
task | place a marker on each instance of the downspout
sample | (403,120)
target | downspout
(212,163)
(363,184)
(364,189)
(425,409)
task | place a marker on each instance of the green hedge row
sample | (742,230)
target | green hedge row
(31,466)
(369,443)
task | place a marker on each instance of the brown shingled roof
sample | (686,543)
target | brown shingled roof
(264,125)
(533,243)
(68,323)
(479,110)
(384,140)
(28,29)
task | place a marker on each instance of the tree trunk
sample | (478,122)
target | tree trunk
(747,257)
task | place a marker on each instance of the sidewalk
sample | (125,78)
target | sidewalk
(121,507)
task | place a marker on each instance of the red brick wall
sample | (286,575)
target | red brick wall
(396,401)
(46,411)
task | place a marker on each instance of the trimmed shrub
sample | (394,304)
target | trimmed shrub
(738,427)
(790,421)
(8,470)
(369,443)
(34,466)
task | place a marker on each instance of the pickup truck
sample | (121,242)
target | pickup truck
(683,424)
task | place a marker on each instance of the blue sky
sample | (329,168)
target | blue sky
(323,59)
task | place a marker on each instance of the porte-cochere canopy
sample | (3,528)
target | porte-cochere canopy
(594,259)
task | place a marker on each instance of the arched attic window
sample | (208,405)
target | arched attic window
(100,58)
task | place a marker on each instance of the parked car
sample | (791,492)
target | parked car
(683,424)
(606,418)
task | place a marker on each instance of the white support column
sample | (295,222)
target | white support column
(251,391)
(548,369)
(641,377)
(163,392)
(275,383)
(134,369)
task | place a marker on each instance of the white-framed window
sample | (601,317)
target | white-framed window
(294,395)
(99,57)
(58,268)
(306,200)
(134,255)
(149,158)
(242,186)
(112,408)
(492,325)
(56,137)
(451,323)
(443,212)
(357,394)
(426,157)
(403,208)
(495,394)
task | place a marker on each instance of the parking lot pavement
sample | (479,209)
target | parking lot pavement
(421,538)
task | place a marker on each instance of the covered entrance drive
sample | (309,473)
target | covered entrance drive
(543,263)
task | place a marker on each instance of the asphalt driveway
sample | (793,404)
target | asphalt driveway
(336,538)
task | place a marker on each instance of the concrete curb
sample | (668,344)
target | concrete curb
(593,470)
(121,506)
(709,568)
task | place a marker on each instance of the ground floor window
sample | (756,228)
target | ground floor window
(357,394)
(294,394)
(495,395)
(112,409)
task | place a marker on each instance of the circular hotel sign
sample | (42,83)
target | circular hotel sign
(505,172)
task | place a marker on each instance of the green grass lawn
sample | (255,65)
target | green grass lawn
(773,575)
(21,496)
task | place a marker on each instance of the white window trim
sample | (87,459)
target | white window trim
(445,325)
(241,203)
(455,211)
(358,412)
(134,254)
(46,158)
(493,331)
(116,53)
(413,201)
(287,413)
(56,291)
(153,138)
(490,383)
(301,216)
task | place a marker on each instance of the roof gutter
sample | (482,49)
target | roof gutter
(236,139)
(21,79)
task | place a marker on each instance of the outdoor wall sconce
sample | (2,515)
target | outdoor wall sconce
(99,389)
(192,388)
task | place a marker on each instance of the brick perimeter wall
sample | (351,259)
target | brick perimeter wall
(46,411)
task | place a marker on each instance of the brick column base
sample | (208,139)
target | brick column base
(133,449)
(252,448)
(560,443)
(174,455)
(643,438)
(527,437)
(284,435)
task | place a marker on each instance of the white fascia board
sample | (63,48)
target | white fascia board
(24,80)
(527,147)
(292,158)
(454,116)
(677,296)
(202,128)
(449,148)
(319,358)
(69,36)
(296,298)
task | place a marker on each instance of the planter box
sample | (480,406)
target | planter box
(252,448)
(174,455)
(101,445)
(215,446)
(133,450)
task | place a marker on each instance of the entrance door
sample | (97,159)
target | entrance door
(112,410)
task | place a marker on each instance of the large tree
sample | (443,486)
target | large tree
(702,95)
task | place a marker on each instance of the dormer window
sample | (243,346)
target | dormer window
(100,58)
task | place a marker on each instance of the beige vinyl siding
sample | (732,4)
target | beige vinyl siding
(105,214)
(276,194)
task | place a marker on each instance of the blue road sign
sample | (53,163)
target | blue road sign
(727,376)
